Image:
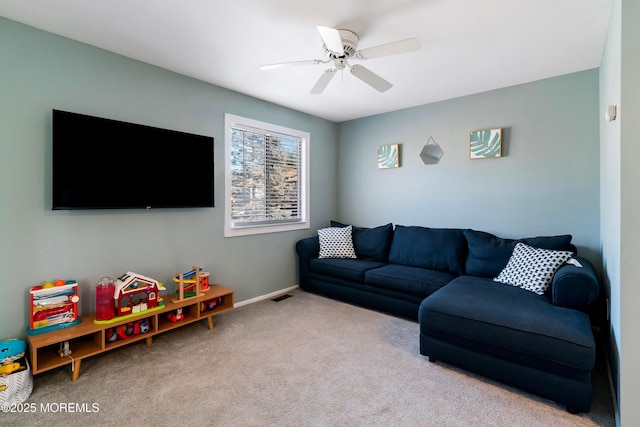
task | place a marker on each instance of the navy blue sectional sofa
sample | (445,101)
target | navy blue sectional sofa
(444,278)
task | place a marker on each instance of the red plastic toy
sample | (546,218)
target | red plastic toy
(174,317)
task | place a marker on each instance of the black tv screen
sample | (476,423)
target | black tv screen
(100,163)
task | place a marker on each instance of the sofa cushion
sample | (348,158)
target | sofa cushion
(532,268)
(343,268)
(489,254)
(371,243)
(417,281)
(442,249)
(504,319)
(336,242)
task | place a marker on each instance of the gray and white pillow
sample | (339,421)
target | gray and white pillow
(532,268)
(336,242)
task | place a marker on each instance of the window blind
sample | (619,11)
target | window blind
(265,171)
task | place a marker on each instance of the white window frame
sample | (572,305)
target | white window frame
(231,230)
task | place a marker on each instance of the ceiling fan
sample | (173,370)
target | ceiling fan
(340,46)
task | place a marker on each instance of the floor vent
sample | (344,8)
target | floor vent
(281,297)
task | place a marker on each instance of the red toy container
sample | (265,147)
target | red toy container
(105,305)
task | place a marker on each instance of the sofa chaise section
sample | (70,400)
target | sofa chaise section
(511,335)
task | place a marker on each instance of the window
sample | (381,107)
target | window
(266,178)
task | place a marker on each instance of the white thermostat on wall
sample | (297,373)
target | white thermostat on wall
(610,114)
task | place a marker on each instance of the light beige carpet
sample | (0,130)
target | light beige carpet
(303,361)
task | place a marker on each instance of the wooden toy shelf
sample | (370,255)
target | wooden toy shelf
(88,339)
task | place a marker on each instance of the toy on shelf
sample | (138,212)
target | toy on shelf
(195,280)
(134,294)
(105,306)
(210,304)
(53,306)
(174,317)
(204,281)
(64,350)
(126,331)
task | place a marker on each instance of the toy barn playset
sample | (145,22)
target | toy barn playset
(133,294)
(53,305)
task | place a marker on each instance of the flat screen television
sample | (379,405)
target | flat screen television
(101,163)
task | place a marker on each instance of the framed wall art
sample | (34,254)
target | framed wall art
(485,144)
(389,156)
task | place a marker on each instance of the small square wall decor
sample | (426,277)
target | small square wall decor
(389,156)
(485,144)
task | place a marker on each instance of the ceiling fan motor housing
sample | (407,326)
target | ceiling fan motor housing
(349,45)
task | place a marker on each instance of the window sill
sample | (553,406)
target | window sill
(263,229)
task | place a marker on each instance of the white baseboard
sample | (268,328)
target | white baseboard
(267,296)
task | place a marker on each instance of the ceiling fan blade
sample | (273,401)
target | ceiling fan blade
(323,81)
(331,38)
(392,48)
(290,64)
(370,78)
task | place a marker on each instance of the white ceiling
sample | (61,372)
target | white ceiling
(468,46)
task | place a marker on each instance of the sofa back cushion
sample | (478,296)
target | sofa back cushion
(489,254)
(371,243)
(442,249)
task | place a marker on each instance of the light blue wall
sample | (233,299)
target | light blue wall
(630,214)
(610,185)
(620,203)
(546,183)
(40,71)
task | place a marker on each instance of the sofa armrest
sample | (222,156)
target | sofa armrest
(306,249)
(575,287)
